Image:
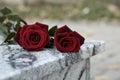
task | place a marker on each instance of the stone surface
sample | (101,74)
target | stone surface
(19,64)
(78,71)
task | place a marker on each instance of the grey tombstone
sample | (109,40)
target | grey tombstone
(48,64)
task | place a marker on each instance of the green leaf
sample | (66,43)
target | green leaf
(13,17)
(11,42)
(5,11)
(2,19)
(3,30)
(23,21)
(8,24)
(52,31)
(16,27)
(10,36)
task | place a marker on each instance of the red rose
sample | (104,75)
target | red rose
(33,37)
(67,40)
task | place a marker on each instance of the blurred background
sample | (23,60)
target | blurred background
(65,9)
(94,19)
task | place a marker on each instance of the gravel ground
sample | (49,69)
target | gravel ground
(105,66)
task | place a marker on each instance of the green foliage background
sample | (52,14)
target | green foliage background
(9,24)
(82,10)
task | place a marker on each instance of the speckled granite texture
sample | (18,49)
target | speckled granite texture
(48,64)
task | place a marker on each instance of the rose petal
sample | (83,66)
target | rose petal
(77,35)
(63,29)
(17,36)
(43,26)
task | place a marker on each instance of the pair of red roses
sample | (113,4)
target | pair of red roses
(35,37)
